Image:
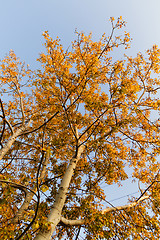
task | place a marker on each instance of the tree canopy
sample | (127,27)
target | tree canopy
(72,126)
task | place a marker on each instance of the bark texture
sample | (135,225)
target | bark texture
(55,215)
(12,139)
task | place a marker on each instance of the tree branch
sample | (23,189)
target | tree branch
(19,186)
(130,205)
(38,200)
(79,222)
(30,194)
(12,139)
(21,102)
(68,222)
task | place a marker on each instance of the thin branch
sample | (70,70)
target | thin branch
(19,186)
(149,186)
(77,235)
(3,117)
(21,103)
(30,195)
(38,199)
(9,125)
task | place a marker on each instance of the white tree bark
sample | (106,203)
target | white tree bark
(79,222)
(55,215)
(110,209)
(12,139)
(76,222)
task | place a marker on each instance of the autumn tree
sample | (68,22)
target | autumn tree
(71,127)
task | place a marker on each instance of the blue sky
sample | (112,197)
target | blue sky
(23,22)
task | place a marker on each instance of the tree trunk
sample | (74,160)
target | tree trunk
(55,214)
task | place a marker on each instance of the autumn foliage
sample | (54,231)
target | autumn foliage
(71,127)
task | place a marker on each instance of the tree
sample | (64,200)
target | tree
(72,126)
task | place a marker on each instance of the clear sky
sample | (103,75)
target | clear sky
(23,22)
